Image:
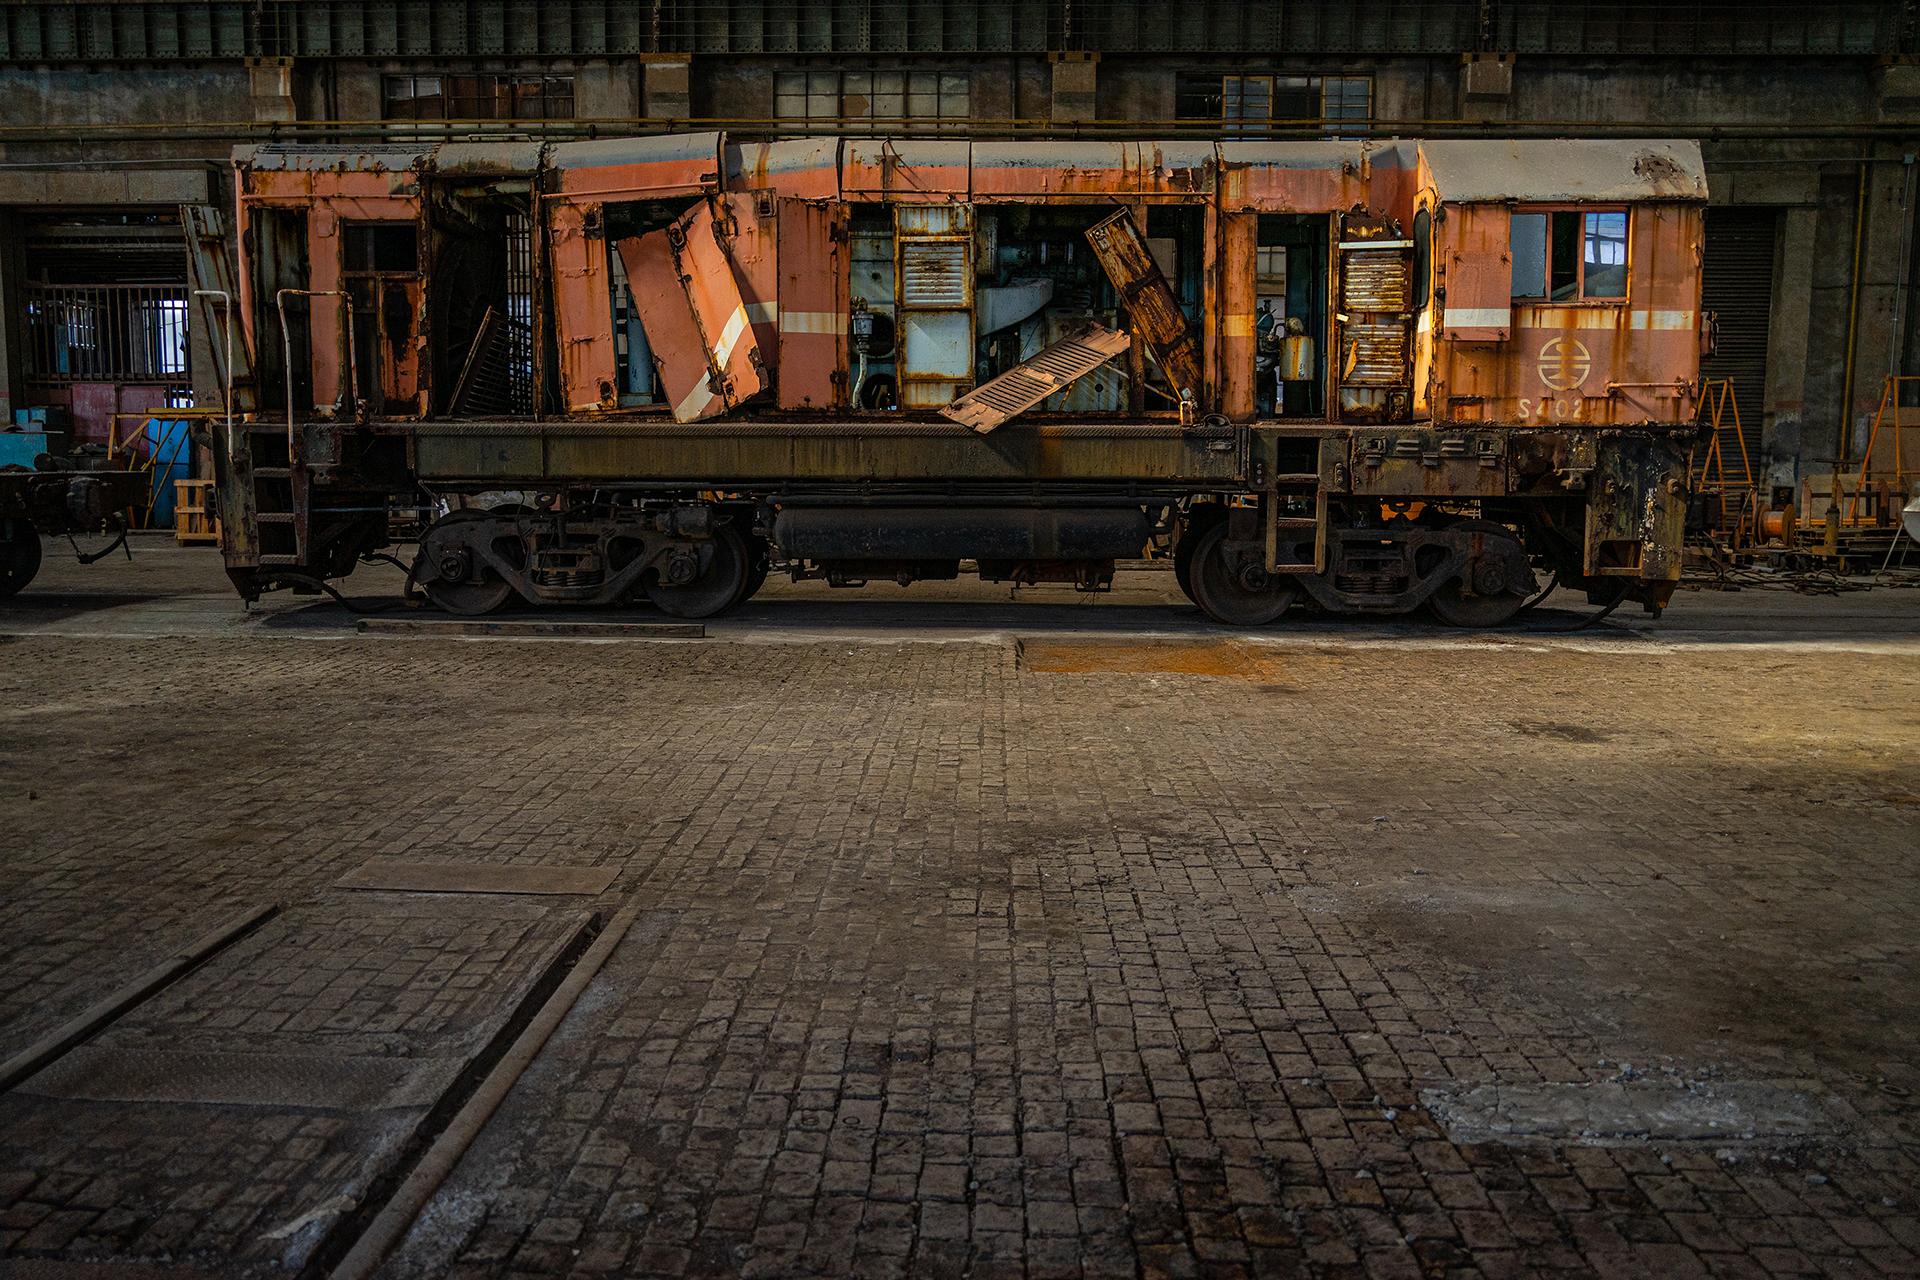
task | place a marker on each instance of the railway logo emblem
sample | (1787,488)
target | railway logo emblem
(1564,363)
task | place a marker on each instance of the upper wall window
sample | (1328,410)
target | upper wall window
(504,95)
(1566,255)
(873,99)
(1254,106)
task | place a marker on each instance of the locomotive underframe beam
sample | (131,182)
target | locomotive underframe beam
(1623,484)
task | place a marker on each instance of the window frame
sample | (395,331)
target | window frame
(1580,298)
(1323,88)
(544,90)
(902,85)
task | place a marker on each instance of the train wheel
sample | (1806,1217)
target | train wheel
(452,589)
(470,599)
(1240,594)
(19,556)
(718,587)
(759,564)
(1496,600)
(1197,523)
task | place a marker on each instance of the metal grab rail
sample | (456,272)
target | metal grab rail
(226,393)
(286,347)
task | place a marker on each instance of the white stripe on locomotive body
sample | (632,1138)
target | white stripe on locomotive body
(1478,317)
(1591,317)
(821,322)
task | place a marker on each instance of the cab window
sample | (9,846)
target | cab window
(1570,255)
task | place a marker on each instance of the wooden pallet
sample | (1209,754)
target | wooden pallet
(193,520)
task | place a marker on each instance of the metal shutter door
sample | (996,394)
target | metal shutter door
(1737,286)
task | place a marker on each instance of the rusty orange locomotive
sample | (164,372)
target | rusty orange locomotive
(1372,376)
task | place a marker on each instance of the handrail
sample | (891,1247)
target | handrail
(286,347)
(226,315)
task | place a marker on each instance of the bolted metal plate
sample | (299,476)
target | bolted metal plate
(97,1073)
(395,876)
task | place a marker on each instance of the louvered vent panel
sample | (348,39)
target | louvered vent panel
(1033,380)
(1379,354)
(933,273)
(1374,280)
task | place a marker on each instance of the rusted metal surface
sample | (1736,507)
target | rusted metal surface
(1591,362)
(488,161)
(1090,171)
(696,319)
(582,318)
(1420,462)
(797,168)
(1635,525)
(915,171)
(813,305)
(656,167)
(784,453)
(1373,355)
(1035,378)
(934,268)
(1314,177)
(747,291)
(746,228)
(1473,274)
(337,189)
(1239,236)
(1151,306)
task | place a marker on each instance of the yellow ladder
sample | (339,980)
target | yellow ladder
(1899,419)
(1718,474)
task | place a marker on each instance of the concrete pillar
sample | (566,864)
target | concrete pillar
(1486,86)
(1075,76)
(270,86)
(605,91)
(667,86)
(1877,335)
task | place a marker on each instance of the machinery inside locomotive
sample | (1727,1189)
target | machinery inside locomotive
(943,299)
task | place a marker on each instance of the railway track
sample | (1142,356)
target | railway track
(402,1101)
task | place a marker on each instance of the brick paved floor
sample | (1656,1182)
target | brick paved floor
(1084,960)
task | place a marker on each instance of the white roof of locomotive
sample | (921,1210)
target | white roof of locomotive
(1572,169)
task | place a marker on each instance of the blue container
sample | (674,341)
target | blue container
(171,448)
(19,448)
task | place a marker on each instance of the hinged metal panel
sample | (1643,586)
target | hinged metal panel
(217,324)
(933,270)
(1151,307)
(813,305)
(1373,359)
(1477,274)
(695,318)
